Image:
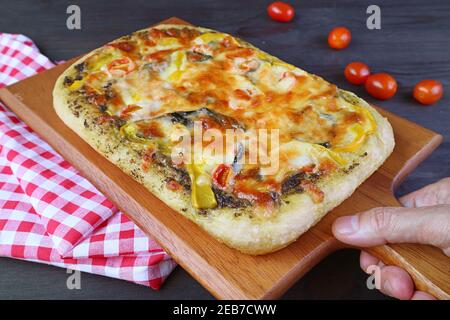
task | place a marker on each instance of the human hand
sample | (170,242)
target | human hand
(425,219)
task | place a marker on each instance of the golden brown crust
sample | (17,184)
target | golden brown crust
(241,231)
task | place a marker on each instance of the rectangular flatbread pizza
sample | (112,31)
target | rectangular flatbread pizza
(252,149)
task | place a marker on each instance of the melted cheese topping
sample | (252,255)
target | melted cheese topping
(146,77)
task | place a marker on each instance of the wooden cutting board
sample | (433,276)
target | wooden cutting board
(225,272)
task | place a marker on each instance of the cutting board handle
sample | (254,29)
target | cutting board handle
(428,266)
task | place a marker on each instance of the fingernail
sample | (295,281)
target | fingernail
(347,225)
(406,202)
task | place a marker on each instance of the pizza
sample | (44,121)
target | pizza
(143,100)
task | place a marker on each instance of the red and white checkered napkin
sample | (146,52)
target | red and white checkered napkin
(51,214)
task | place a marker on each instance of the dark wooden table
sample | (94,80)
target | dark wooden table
(413,44)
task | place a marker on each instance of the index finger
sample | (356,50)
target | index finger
(434,194)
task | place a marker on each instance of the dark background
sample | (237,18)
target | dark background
(413,44)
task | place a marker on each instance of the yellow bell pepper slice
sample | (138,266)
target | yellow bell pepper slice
(129,131)
(76,85)
(169,43)
(359,136)
(272,61)
(211,37)
(331,154)
(280,63)
(202,194)
(96,61)
(176,68)
(359,131)
(369,124)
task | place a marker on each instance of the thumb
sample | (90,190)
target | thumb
(426,225)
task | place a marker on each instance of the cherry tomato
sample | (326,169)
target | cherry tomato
(220,175)
(280,11)
(381,86)
(339,38)
(173,185)
(428,91)
(357,72)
